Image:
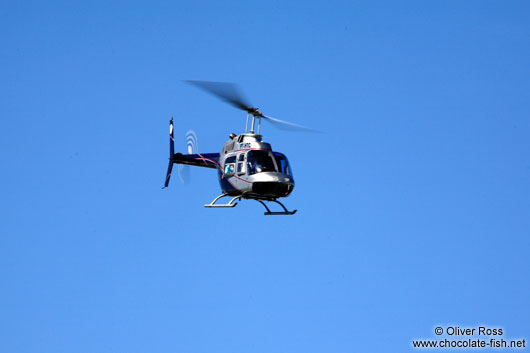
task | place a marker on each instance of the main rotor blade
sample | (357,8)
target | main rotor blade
(285,125)
(225,91)
(230,93)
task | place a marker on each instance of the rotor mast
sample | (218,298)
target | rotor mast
(255,114)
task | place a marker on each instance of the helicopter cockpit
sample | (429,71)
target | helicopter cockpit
(257,161)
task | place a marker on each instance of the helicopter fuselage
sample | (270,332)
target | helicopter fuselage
(248,166)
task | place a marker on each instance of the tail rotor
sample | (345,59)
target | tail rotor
(192,147)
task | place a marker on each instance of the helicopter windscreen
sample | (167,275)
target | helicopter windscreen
(259,162)
(282,163)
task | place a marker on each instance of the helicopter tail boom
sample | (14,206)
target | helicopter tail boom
(205,160)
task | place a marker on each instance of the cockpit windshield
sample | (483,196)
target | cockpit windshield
(259,162)
(282,163)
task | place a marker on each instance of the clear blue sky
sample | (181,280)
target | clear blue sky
(414,207)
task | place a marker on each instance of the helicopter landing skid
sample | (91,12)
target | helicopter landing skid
(230,204)
(269,213)
(238,198)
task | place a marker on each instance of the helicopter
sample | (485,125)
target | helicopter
(247,167)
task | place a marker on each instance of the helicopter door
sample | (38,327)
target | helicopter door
(241,164)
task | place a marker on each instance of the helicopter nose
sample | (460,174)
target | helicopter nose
(272,188)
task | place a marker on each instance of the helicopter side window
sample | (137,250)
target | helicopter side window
(230,166)
(282,163)
(241,164)
(259,161)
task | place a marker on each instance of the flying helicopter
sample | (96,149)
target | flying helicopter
(247,167)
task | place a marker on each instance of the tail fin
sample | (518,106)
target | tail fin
(171,153)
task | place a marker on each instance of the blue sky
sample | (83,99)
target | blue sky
(413,207)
